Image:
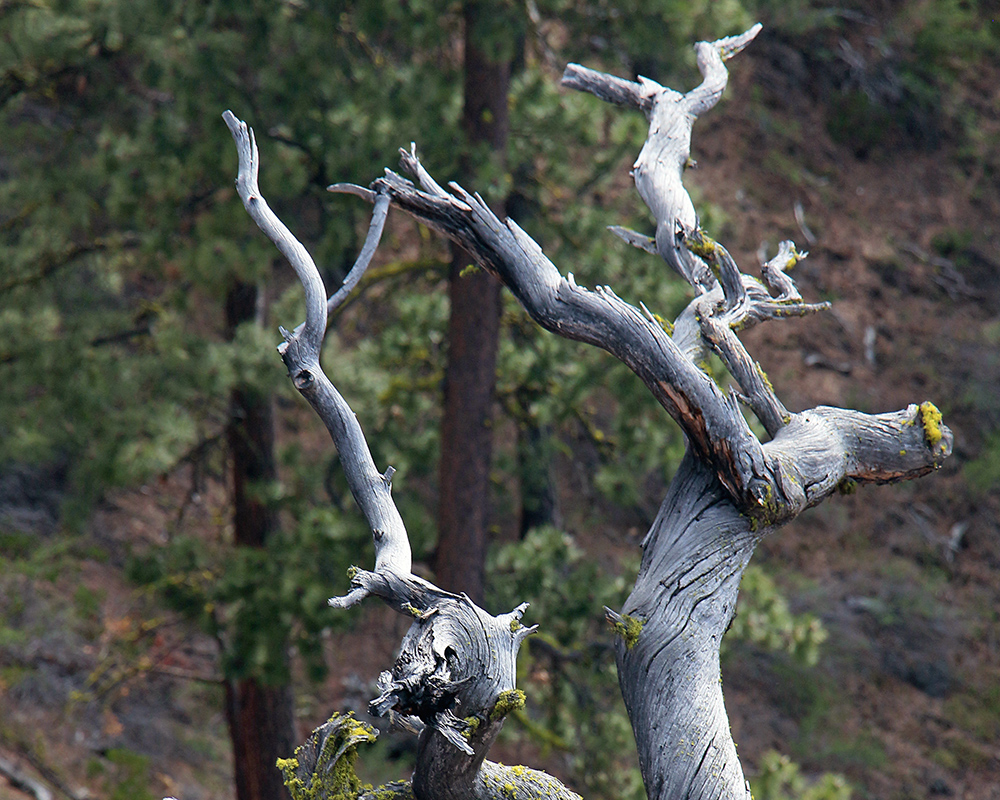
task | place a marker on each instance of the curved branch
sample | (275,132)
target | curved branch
(774,275)
(301,351)
(745,303)
(364,259)
(711,57)
(768,483)
(275,230)
(714,426)
(619,91)
(454,678)
(659,169)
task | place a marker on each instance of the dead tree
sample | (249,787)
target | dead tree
(454,678)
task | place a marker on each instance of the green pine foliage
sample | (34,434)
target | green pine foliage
(763,618)
(567,669)
(780,778)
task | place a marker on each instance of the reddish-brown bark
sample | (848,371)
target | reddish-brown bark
(473,330)
(260,720)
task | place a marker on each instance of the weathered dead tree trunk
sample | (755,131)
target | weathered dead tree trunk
(453,682)
(454,677)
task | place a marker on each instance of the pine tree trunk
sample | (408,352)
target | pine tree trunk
(473,330)
(261,728)
(260,720)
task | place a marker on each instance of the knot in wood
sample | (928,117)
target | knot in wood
(303,379)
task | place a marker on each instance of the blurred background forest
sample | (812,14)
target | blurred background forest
(173,518)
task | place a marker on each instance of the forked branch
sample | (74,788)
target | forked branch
(301,351)
(454,680)
(659,169)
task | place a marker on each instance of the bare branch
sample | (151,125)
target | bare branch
(714,426)
(301,351)
(618,91)
(275,230)
(351,188)
(745,303)
(754,478)
(22,781)
(634,238)
(711,57)
(774,275)
(658,171)
(454,678)
(364,257)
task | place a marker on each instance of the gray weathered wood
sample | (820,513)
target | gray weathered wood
(454,679)
(456,665)
(659,169)
(731,489)
(301,351)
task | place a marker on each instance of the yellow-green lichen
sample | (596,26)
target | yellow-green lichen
(352,572)
(763,376)
(394,790)
(768,508)
(471,726)
(628,628)
(333,777)
(793,258)
(703,245)
(515,625)
(511,700)
(766,501)
(930,419)
(412,610)
(665,324)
